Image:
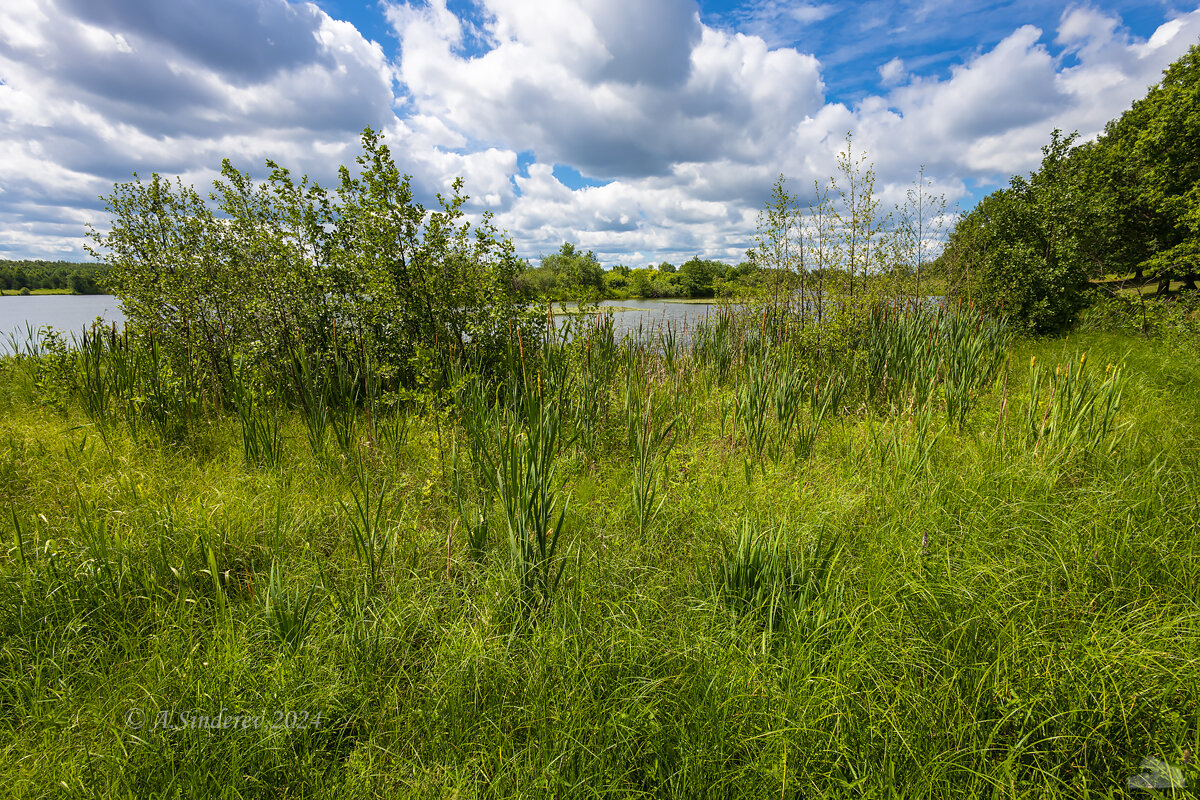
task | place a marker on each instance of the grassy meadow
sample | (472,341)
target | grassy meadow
(916,557)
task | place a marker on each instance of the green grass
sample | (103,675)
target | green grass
(33,292)
(909,607)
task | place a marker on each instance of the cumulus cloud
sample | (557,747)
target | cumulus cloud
(892,72)
(615,88)
(684,120)
(93,91)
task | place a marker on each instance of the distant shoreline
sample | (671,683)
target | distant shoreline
(44,292)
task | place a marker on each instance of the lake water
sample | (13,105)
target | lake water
(655,314)
(72,313)
(67,312)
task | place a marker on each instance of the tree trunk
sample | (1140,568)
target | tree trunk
(1164,283)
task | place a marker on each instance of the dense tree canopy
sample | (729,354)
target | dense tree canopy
(1147,171)
(1026,250)
(1128,202)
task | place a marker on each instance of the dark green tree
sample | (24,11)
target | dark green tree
(697,276)
(1146,169)
(1027,249)
(579,272)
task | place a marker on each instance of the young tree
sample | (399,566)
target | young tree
(823,256)
(283,261)
(779,243)
(859,224)
(921,220)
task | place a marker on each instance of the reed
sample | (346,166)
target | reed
(290,618)
(652,442)
(754,393)
(789,396)
(916,608)
(372,539)
(1070,411)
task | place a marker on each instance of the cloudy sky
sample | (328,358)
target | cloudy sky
(642,129)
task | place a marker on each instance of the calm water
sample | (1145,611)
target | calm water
(71,313)
(655,314)
(67,312)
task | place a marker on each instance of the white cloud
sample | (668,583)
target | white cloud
(689,123)
(608,87)
(893,72)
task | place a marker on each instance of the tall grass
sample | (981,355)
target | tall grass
(1070,410)
(909,604)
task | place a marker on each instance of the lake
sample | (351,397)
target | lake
(71,313)
(67,312)
(654,314)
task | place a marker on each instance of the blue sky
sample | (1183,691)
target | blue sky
(642,129)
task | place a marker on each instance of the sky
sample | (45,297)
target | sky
(644,130)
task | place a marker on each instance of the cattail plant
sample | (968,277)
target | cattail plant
(307,386)
(291,618)
(653,440)
(789,400)
(754,395)
(528,444)
(370,536)
(259,415)
(95,378)
(763,577)
(975,354)
(713,345)
(1070,410)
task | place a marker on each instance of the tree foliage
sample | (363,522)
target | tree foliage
(1146,169)
(1128,202)
(1026,249)
(263,268)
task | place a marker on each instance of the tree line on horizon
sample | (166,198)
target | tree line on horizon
(33,274)
(572,274)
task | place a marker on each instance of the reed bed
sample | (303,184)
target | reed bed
(754,558)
